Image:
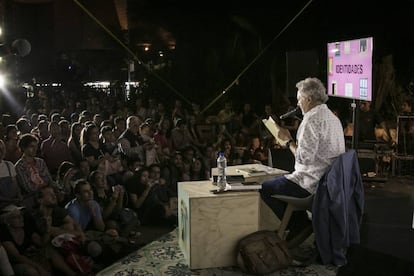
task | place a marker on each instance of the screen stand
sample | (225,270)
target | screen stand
(354,126)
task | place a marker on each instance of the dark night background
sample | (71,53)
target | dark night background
(213,42)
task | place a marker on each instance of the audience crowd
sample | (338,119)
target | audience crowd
(79,178)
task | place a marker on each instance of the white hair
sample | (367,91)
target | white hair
(314,89)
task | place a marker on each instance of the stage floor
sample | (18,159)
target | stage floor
(387,242)
(164,257)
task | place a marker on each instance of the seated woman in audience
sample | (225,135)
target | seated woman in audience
(32,172)
(138,187)
(112,202)
(93,151)
(110,199)
(198,170)
(90,146)
(162,193)
(230,153)
(9,190)
(144,200)
(74,141)
(162,136)
(65,181)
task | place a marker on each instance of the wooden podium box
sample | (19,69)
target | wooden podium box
(210,225)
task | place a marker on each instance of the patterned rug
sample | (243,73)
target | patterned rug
(164,257)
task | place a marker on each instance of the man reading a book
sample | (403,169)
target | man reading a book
(319,141)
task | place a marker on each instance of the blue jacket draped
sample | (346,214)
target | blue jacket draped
(338,208)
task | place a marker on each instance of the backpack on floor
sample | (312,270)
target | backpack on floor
(262,252)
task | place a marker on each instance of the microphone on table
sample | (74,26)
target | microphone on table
(291,113)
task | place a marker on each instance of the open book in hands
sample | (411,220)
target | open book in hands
(282,135)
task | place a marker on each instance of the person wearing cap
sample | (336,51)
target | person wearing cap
(20,240)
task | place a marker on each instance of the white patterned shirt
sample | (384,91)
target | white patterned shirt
(320,139)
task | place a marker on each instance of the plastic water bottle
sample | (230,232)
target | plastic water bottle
(221,167)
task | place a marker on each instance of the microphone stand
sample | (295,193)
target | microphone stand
(354,126)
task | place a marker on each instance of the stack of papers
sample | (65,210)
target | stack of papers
(274,129)
(245,186)
(253,171)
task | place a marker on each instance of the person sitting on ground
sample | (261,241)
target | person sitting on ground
(138,187)
(144,194)
(112,202)
(53,222)
(163,191)
(86,212)
(110,199)
(58,220)
(84,209)
(22,244)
